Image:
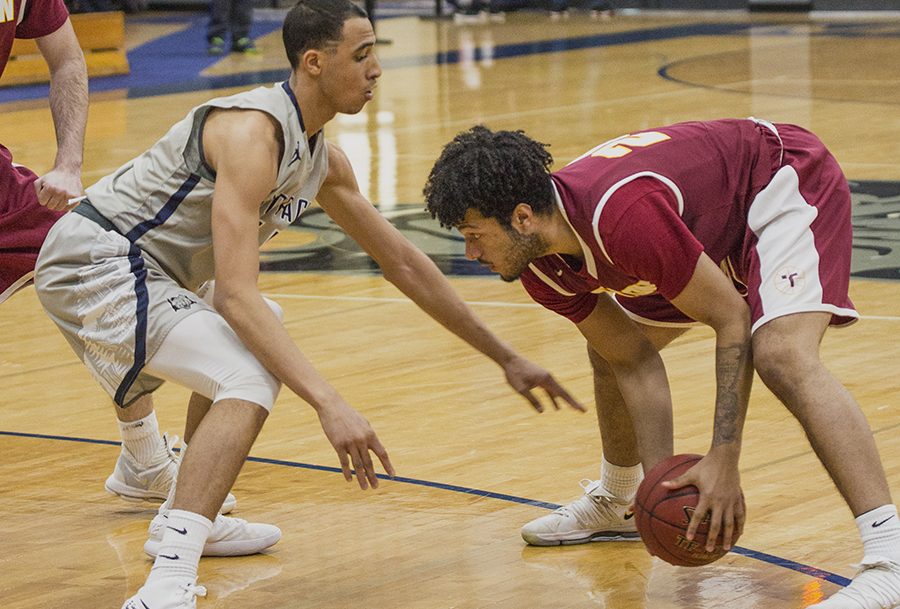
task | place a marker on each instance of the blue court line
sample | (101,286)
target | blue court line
(761,556)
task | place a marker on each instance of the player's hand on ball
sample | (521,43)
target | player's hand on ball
(718,480)
(352,438)
(525,376)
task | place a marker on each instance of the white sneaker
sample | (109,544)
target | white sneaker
(595,516)
(132,482)
(162,596)
(229,536)
(876,586)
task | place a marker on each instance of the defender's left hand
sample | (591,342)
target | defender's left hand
(524,376)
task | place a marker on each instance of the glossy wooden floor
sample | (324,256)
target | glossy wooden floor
(446,534)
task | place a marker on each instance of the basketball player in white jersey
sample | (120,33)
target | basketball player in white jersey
(121,274)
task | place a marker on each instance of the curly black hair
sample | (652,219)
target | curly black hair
(492,172)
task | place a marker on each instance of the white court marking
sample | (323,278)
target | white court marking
(471,303)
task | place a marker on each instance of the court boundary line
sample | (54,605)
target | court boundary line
(754,554)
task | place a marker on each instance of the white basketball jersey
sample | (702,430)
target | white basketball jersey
(162,200)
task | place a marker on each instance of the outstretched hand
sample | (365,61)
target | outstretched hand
(524,376)
(352,438)
(721,499)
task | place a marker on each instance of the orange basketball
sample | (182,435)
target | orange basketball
(662,516)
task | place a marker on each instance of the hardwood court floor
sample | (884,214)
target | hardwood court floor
(475,463)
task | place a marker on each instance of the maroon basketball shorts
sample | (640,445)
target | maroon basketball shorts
(797,243)
(24,224)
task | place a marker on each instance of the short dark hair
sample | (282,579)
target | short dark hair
(491,172)
(313,23)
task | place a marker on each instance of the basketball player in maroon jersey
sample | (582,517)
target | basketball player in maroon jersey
(31,204)
(738,224)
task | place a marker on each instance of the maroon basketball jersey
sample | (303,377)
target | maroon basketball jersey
(645,205)
(28,19)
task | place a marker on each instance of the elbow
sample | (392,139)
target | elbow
(736,328)
(400,270)
(227,304)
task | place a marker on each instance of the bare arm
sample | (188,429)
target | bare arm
(243,148)
(640,375)
(416,275)
(69,108)
(710,297)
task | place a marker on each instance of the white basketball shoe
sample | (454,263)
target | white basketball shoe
(595,516)
(133,482)
(876,586)
(166,595)
(229,536)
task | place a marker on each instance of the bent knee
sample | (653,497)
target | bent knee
(203,353)
(257,386)
(781,365)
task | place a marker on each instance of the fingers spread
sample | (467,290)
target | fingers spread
(345,465)
(697,518)
(534,401)
(359,467)
(382,455)
(678,482)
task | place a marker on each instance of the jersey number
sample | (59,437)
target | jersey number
(621,146)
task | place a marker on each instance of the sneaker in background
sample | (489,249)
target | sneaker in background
(215,46)
(244,45)
(133,482)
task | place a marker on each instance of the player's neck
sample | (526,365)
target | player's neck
(315,113)
(560,236)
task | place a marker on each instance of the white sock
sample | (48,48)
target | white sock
(182,545)
(620,481)
(141,438)
(880,532)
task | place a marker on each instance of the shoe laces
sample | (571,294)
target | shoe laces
(226,526)
(596,506)
(189,592)
(877,579)
(170,446)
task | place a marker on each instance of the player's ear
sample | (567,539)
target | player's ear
(311,61)
(523,218)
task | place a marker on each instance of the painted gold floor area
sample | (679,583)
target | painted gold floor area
(470,453)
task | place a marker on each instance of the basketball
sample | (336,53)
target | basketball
(662,516)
